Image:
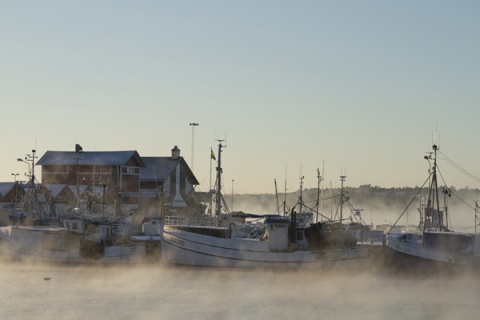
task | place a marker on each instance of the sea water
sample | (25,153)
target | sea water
(156,291)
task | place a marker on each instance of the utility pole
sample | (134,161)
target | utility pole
(193,125)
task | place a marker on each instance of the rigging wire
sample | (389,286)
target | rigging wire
(419,190)
(464,171)
(468,174)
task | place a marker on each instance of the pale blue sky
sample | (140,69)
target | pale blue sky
(357,85)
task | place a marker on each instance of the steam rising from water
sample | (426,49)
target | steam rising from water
(173,292)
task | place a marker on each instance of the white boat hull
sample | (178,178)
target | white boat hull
(402,247)
(56,245)
(181,247)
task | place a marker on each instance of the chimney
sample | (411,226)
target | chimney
(175,153)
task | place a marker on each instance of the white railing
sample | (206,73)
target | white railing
(190,221)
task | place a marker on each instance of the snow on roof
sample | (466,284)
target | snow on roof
(55,189)
(117,158)
(5,187)
(158,168)
(81,188)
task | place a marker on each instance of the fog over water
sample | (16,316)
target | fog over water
(156,291)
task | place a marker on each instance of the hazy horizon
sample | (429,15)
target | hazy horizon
(361,89)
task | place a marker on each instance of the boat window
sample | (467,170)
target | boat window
(74,226)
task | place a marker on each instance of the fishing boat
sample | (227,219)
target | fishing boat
(268,241)
(78,240)
(39,235)
(435,245)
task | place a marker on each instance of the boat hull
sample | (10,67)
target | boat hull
(188,248)
(406,254)
(56,245)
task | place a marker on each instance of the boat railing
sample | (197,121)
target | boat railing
(189,221)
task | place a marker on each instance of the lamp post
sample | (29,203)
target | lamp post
(15,177)
(28,165)
(193,125)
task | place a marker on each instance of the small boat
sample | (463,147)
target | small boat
(435,245)
(270,241)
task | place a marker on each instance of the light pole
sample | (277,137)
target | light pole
(193,125)
(28,165)
(15,177)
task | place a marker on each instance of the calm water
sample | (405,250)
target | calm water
(159,292)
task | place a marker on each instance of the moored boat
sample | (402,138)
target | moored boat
(276,241)
(78,240)
(40,236)
(435,245)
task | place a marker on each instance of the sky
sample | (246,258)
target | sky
(355,88)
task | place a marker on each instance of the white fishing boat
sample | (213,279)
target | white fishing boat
(79,240)
(39,235)
(276,241)
(435,244)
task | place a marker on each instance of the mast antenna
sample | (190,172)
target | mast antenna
(436,136)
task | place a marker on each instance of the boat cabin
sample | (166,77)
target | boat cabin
(91,230)
(282,235)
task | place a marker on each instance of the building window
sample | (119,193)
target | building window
(131,170)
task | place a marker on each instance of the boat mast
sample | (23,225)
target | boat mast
(300,200)
(319,180)
(433,204)
(218,195)
(276,195)
(285,194)
(78,149)
(342,179)
(31,205)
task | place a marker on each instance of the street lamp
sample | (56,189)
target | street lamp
(28,165)
(193,125)
(15,177)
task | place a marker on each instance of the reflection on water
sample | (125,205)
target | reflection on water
(160,292)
